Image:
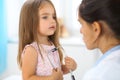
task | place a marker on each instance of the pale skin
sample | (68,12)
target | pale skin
(94,38)
(29,61)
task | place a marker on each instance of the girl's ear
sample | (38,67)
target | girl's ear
(97,29)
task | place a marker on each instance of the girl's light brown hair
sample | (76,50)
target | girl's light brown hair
(28,25)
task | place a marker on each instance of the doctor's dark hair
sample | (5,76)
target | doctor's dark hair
(102,10)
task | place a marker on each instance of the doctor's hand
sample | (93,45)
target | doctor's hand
(57,74)
(70,63)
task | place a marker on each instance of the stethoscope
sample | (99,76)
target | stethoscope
(52,51)
(55,49)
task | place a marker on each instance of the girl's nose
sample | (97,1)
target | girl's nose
(53,20)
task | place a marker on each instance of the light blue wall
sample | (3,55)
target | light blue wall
(3,38)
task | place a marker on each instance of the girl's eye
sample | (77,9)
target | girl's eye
(54,17)
(45,17)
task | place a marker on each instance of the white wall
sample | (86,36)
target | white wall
(12,67)
(12,8)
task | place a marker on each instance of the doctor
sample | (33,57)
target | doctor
(100,21)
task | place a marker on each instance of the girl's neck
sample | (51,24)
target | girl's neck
(44,40)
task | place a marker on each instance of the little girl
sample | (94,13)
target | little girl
(38,36)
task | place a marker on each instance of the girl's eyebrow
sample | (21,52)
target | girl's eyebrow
(45,14)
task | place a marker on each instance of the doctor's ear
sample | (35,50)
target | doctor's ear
(97,28)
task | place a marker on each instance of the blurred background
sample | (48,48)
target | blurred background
(70,38)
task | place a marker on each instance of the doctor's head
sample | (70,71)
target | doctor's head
(100,22)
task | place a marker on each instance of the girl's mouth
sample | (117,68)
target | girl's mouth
(52,27)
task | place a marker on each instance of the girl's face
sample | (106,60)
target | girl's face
(47,22)
(88,33)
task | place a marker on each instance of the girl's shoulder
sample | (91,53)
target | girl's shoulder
(30,47)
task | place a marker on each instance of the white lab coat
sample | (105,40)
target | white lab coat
(107,69)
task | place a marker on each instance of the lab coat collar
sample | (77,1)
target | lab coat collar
(107,54)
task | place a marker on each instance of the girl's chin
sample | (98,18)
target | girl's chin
(51,33)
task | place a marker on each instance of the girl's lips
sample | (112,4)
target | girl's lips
(52,27)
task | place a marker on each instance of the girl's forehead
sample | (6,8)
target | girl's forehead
(45,4)
(47,8)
